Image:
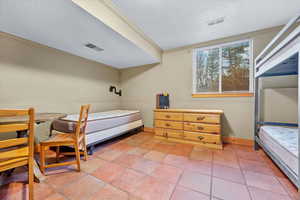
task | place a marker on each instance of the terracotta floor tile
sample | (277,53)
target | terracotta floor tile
(181,149)
(110,155)
(155,156)
(276,171)
(164,148)
(84,188)
(243,148)
(60,180)
(19,191)
(229,160)
(259,194)
(122,147)
(56,196)
(167,173)
(201,148)
(148,145)
(290,188)
(144,165)
(255,156)
(127,160)
(129,180)
(91,165)
(201,155)
(176,161)
(109,172)
(203,167)
(13,191)
(228,190)
(138,151)
(110,193)
(228,173)
(154,189)
(265,182)
(182,193)
(195,181)
(255,166)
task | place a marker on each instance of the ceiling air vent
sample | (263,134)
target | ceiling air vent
(94,47)
(216,21)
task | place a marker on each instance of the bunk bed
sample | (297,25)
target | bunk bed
(279,140)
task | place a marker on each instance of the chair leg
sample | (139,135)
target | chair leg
(30,178)
(76,145)
(57,153)
(42,159)
(84,149)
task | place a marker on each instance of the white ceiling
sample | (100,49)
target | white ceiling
(176,23)
(63,25)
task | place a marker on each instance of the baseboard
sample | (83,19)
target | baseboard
(228,140)
(149,130)
(239,141)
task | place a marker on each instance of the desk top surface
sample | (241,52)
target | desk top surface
(39,117)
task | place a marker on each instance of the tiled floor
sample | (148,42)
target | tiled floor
(140,167)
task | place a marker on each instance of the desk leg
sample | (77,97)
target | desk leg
(38,176)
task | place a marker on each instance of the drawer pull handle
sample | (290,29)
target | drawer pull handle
(200,137)
(168,116)
(201,118)
(200,128)
(168,125)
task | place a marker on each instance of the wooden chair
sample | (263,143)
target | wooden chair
(76,139)
(19,151)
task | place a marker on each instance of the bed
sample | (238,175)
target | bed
(280,140)
(283,141)
(102,126)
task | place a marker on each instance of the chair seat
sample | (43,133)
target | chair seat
(60,138)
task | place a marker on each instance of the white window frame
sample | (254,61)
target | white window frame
(220,46)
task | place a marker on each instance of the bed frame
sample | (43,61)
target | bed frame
(281,57)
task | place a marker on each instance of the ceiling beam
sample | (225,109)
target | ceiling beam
(106,12)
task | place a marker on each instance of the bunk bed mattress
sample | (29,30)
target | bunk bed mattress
(283,142)
(98,121)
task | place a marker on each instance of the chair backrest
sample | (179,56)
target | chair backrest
(24,121)
(82,121)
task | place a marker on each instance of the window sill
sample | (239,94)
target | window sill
(220,95)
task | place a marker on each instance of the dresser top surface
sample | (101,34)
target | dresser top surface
(207,111)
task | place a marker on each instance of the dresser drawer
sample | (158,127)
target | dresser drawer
(202,137)
(169,116)
(174,133)
(168,124)
(201,127)
(160,132)
(207,118)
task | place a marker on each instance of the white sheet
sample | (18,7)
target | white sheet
(282,141)
(102,115)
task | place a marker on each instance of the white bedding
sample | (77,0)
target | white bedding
(283,142)
(102,115)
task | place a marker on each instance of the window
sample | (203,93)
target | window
(223,69)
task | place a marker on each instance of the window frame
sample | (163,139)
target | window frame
(220,93)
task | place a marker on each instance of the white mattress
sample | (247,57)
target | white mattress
(283,142)
(102,115)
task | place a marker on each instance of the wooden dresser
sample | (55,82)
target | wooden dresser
(201,127)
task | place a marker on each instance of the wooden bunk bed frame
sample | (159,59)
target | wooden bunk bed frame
(281,57)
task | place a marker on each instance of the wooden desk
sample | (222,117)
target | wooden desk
(39,118)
